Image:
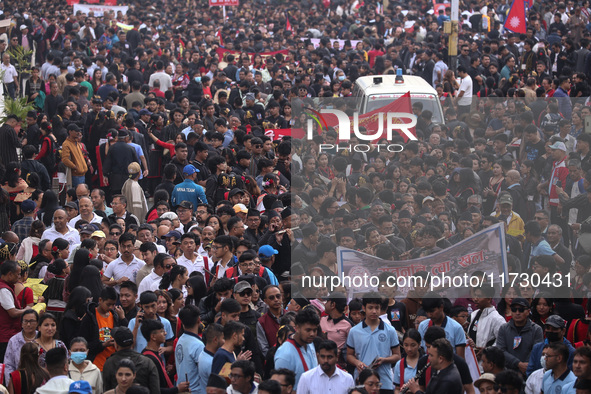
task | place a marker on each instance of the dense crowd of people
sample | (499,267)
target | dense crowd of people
(156,214)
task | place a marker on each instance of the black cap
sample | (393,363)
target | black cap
(521,302)
(217,381)
(186,205)
(235,191)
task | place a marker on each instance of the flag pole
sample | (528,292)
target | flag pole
(224,11)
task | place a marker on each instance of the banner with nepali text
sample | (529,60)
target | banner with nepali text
(484,251)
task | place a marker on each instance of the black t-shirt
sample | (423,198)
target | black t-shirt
(535,151)
(460,364)
(397,315)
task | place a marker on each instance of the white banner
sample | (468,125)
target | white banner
(98,9)
(316,42)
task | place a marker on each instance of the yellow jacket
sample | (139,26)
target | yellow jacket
(73,158)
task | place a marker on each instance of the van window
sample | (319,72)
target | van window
(430,102)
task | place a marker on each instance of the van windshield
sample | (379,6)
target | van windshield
(429,101)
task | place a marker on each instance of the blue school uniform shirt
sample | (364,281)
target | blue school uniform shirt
(453,332)
(369,345)
(205,362)
(287,356)
(140,341)
(187,353)
(409,372)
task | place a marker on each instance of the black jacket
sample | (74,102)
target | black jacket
(446,381)
(89,329)
(147,374)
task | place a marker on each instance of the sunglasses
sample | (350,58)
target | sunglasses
(258,146)
(274,297)
(168,266)
(502,388)
(245,293)
(518,309)
(115,234)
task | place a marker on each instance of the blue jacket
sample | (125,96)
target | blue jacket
(536,354)
(188,191)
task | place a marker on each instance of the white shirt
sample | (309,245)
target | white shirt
(95,219)
(197,265)
(164,78)
(150,282)
(9,73)
(339,383)
(71,236)
(533,385)
(118,269)
(6,299)
(255,390)
(466,87)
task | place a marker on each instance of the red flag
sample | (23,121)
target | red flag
(218,34)
(515,20)
(287,24)
(401,104)
(370,120)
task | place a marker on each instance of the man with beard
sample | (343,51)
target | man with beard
(326,373)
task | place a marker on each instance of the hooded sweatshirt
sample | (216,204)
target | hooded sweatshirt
(56,385)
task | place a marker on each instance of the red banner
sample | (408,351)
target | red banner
(222,52)
(218,3)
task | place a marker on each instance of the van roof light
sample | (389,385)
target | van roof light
(399,78)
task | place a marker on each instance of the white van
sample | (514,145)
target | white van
(376,91)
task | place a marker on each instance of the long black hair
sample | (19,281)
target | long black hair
(81,260)
(91,279)
(169,277)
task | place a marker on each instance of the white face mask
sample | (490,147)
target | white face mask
(543,362)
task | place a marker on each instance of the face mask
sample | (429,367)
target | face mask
(543,362)
(553,336)
(197,79)
(78,357)
(341,77)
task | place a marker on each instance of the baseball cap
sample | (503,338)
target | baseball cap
(123,336)
(190,169)
(267,251)
(235,191)
(185,205)
(28,206)
(71,204)
(241,286)
(485,377)
(99,234)
(23,27)
(521,302)
(249,96)
(505,198)
(145,112)
(558,145)
(81,387)
(172,233)
(87,230)
(555,321)
(169,216)
(133,168)
(240,208)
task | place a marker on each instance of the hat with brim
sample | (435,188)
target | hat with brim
(485,377)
